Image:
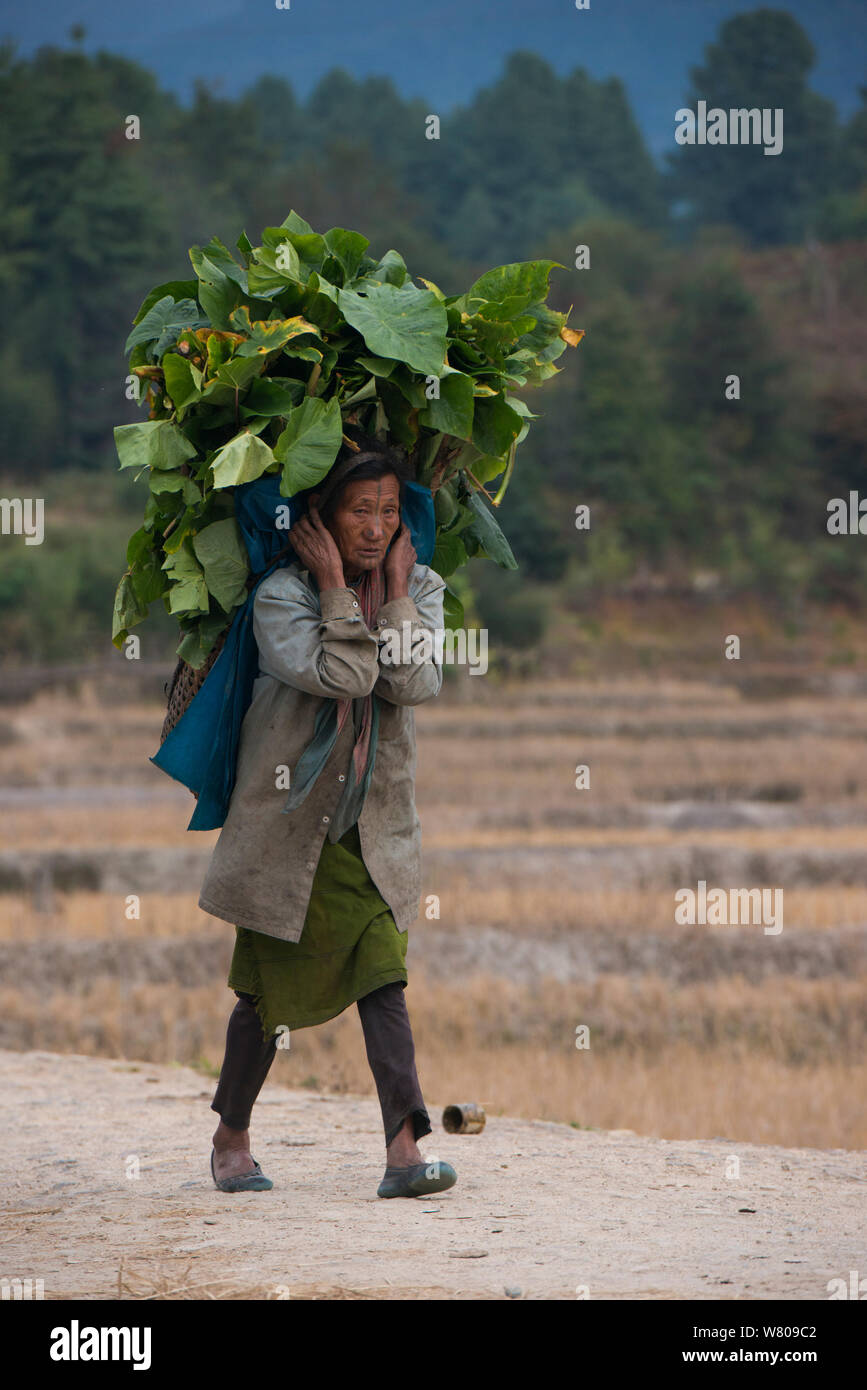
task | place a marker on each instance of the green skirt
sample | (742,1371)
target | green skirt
(349,946)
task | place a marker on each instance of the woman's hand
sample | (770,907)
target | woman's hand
(398,563)
(315,547)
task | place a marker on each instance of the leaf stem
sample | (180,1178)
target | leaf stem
(507,475)
(480,487)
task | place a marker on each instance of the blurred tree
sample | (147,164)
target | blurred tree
(607,147)
(570,146)
(281,123)
(749,453)
(221,141)
(511,608)
(371,113)
(85,227)
(844,214)
(604,436)
(760,60)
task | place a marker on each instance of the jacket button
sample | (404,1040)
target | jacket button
(354,604)
(341,778)
(325,820)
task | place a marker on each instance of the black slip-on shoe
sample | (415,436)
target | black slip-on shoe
(418,1180)
(254,1181)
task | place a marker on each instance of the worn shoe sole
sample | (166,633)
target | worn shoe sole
(419,1180)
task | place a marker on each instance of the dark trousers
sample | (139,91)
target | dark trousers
(390,1052)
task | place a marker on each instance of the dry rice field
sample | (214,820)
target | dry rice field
(556,905)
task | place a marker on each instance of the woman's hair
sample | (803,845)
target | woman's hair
(375,460)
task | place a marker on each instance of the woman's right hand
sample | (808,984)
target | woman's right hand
(316,548)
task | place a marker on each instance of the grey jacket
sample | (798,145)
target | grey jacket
(313,648)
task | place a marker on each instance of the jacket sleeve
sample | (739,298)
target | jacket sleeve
(412,681)
(324,651)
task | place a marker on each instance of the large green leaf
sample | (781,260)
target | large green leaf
(221,553)
(183,380)
(162,480)
(309,444)
(163,322)
(493,336)
(495,425)
(347,249)
(152,444)
(139,543)
(522,283)
(176,289)
(410,385)
(239,371)
(188,592)
(187,526)
(320,304)
(295,223)
(299,254)
(453,610)
(243,459)
(220,256)
(267,397)
(266,335)
(489,535)
(449,554)
(405,323)
(199,640)
(486,467)
(378,366)
(148,579)
(128,610)
(402,416)
(265,280)
(391,270)
(453,412)
(219,397)
(219,293)
(545,331)
(305,351)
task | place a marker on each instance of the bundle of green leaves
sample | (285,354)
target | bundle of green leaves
(256,367)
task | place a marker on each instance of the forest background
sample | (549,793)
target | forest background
(704,262)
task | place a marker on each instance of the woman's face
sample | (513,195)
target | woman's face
(365,519)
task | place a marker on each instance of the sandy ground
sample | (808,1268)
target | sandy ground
(540,1210)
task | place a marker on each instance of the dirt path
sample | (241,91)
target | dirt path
(540,1208)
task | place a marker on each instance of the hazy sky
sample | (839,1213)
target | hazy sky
(442,50)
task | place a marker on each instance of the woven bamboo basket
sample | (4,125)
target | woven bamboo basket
(185,683)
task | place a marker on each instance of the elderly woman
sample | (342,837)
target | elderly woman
(322,884)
